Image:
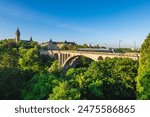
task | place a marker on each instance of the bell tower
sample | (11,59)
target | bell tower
(17,35)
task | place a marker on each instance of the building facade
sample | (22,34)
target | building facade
(52,45)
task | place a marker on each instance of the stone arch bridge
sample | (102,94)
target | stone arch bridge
(68,59)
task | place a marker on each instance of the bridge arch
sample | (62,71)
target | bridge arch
(56,56)
(71,61)
(100,58)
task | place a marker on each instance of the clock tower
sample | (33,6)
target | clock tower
(17,35)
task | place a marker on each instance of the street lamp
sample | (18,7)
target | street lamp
(119,43)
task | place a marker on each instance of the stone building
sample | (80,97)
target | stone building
(52,45)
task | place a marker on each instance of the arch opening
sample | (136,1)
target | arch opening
(77,61)
(56,56)
(100,58)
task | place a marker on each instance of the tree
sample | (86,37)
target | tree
(83,62)
(46,61)
(30,60)
(18,64)
(12,78)
(116,77)
(11,83)
(64,92)
(85,46)
(64,47)
(55,68)
(108,79)
(33,44)
(39,87)
(143,78)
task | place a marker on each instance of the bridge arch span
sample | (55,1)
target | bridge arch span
(71,61)
(100,58)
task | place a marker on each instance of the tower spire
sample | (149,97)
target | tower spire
(17,35)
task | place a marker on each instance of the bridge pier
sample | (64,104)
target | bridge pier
(60,59)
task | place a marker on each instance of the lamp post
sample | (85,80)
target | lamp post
(119,43)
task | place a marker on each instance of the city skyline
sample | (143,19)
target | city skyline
(100,22)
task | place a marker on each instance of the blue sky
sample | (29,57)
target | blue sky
(103,22)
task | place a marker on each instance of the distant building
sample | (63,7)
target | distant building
(52,45)
(17,35)
(17,39)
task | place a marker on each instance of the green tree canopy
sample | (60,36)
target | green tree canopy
(55,68)
(18,64)
(64,92)
(12,78)
(143,79)
(39,86)
(108,79)
(117,77)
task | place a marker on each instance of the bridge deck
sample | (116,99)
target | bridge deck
(101,53)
